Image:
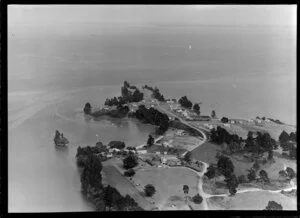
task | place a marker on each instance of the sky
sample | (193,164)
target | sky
(60,15)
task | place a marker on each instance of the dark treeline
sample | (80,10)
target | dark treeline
(119,112)
(129,94)
(220,136)
(104,198)
(288,143)
(155,93)
(185,102)
(259,144)
(153,117)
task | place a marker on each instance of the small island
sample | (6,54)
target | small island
(59,140)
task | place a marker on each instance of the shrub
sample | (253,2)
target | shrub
(130,162)
(149,190)
(129,173)
(197,199)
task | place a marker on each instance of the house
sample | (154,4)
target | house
(232,121)
(109,156)
(227,125)
(179,132)
(157,152)
(141,151)
(250,120)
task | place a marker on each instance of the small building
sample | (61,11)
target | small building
(109,156)
(250,121)
(142,151)
(227,125)
(179,132)
(232,121)
(157,152)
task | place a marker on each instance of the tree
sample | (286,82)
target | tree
(116,144)
(213,114)
(211,172)
(292,136)
(284,137)
(196,108)
(290,172)
(232,184)
(186,189)
(272,205)
(293,152)
(225,166)
(242,179)
(130,161)
(252,175)
(129,173)
(184,102)
(187,157)
(150,141)
(283,173)
(87,108)
(224,120)
(255,166)
(197,199)
(149,190)
(264,176)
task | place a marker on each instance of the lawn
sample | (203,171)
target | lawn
(259,200)
(206,152)
(114,178)
(280,164)
(251,201)
(168,183)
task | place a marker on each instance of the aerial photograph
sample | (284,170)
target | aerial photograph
(151,107)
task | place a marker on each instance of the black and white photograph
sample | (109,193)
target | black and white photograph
(151,107)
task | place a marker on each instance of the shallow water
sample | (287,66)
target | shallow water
(42,178)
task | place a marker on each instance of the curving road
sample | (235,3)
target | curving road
(205,166)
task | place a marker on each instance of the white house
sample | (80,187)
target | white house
(227,125)
(157,152)
(109,155)
(142,151)
(258,121)
(232,121)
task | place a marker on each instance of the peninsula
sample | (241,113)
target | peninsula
(226,159)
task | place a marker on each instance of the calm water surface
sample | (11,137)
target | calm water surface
(238,71)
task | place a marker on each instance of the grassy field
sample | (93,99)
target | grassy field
(280,164)
(114,178)
(251,201)
(169,185)
(206,152)
(259,200)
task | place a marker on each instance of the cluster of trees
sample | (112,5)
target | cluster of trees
(287,142)
(116,144)
(196,108)
(221,135)
(224,167)
(59,139)
(129,94)
(260,144)
(119,112)
(104,198)
(153,117)
(130,161)
(185,102)
(129,173)
(155,93)
(288,173)
(115,101)
(285,137)
(276,121)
